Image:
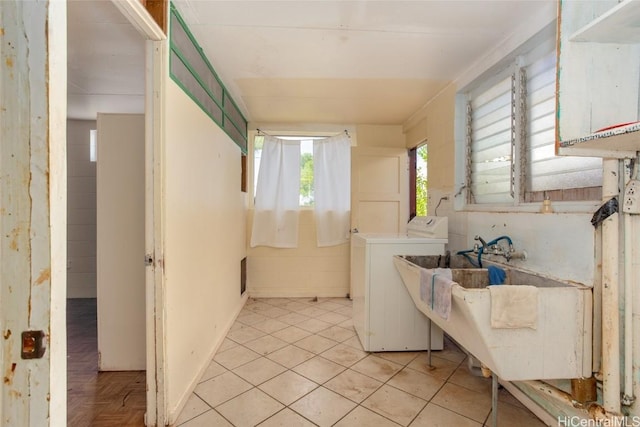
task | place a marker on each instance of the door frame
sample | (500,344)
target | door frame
(156,64)
(33,219)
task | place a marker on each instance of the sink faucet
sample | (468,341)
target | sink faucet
(493,248)
(484,243)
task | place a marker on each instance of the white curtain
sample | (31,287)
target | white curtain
(332,189)
(275,219)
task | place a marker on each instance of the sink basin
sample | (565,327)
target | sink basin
(559,347)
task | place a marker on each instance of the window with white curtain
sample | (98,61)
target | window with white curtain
(275,218)
(510,134)
(306,166)
(320,178)
(332,180)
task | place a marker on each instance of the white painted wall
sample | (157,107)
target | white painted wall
(560,244)
(120,242)
(305,271)
(81,211)
(205,217)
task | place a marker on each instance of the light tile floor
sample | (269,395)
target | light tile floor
(298,362)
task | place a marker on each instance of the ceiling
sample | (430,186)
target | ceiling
(321,61)
(105,61)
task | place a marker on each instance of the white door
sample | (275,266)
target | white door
(379,190)
(379,196)
(120,238)
(156,75)
(33,213)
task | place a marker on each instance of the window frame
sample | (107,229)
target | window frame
(509,72)
(301,136)
(413,178)
(514,64)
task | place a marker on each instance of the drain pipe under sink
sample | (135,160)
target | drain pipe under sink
(610,295)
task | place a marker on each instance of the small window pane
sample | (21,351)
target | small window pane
(490,125)
(546,170)
(306,167)
(306,172)
(93,145)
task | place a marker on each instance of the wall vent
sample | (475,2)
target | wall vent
(243,275)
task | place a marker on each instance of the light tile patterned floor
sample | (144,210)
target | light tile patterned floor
(298,362)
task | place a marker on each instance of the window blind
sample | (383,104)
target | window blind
(491,116)
(547,171)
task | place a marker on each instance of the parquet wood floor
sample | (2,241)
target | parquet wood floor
(98,399)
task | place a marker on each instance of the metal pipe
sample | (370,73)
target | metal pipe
(497,239)
(494,399)
(429,341)
(627,397)
(610,298)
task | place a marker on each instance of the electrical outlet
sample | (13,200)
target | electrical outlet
(631,199)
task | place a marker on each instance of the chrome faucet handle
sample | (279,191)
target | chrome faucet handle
(481,240)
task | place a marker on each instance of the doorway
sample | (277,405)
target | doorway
(106,74)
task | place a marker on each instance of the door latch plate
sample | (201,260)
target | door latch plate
(33,344)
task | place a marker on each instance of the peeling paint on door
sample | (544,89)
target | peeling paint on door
(44,276)
(32,168)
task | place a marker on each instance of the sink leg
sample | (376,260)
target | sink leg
(494,399)
(429,341)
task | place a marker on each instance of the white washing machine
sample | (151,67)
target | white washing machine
(384,315)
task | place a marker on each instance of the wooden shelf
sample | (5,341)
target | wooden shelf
(619,142)
(620,24)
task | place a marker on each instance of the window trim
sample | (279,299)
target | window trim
(413,175)
(510,64)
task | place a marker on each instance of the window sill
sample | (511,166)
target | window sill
(582,207)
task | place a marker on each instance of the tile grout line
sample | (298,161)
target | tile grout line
(247,311)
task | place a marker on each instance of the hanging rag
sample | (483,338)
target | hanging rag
(514,307)
(607,209)
(435,290)
(496,275)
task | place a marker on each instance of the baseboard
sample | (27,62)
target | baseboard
(325,292)
(175,413)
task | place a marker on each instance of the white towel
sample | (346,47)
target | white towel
(435,290)
(514,306)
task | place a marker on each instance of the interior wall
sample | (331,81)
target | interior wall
(204,239)
(81,211)
(120,242)
(436,126)
(305,271)
(308,271)
(380,136)
(545,237)
(558,245)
